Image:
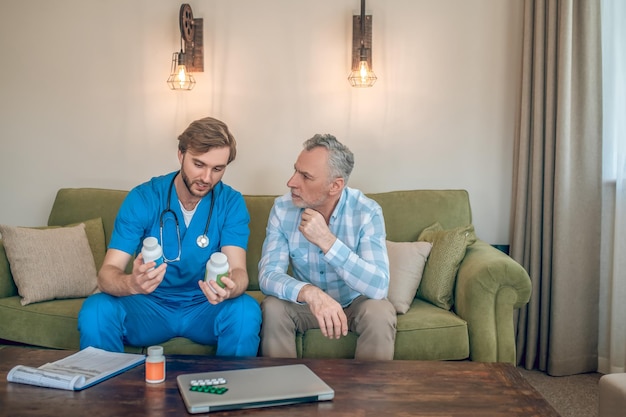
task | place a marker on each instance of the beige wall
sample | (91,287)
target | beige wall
(83,98)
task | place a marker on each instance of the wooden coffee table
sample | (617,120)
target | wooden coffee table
(377,388)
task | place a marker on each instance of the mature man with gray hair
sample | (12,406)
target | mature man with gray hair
(333,237)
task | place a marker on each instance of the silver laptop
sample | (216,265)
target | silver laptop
(205,392)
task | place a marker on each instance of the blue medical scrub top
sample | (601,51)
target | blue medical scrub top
(139,217)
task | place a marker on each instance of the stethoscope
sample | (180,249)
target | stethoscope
(202,240)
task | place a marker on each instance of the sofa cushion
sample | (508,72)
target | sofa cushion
(50,263)
(425,332)
(428,332)
(448,250)
(406,265)
(52,324)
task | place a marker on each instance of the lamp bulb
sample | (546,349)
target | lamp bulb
(181,77)
(364,71)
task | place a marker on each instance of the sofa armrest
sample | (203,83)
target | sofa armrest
(7,286)
(490,286)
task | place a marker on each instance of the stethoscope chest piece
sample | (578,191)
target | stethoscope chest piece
(202,241)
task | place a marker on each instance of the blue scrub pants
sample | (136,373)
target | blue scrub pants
(109,322)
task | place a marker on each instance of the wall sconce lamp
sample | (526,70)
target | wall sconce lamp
(191,56)
(362,74)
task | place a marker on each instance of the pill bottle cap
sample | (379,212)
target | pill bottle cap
(219,258)
(150,242)
(155,351)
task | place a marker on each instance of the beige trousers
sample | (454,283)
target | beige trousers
(374,321)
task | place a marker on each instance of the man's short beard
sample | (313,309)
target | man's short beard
(188,185)
(300,203)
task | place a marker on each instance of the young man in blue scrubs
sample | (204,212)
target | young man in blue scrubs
(193,214)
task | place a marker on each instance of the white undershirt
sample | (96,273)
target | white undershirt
(187,214)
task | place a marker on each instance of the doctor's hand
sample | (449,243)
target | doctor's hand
(145,278)
(216,294)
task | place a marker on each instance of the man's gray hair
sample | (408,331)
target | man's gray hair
(340,158)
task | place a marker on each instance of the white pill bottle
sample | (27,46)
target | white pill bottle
(152,251)
(216,268)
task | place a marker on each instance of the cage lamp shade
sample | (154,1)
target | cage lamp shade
(363,76)
(180,78)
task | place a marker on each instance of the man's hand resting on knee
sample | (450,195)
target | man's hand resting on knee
(329,313)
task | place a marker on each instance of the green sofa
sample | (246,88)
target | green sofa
(489,286)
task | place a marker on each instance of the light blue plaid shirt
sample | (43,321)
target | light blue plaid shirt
(357,263)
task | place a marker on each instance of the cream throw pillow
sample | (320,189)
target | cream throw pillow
(449,246)
(406,265)
(50,263)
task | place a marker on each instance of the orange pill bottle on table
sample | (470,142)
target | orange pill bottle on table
(155,365)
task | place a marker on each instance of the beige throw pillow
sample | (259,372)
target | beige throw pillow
(449,246)
(50,263)
(406,265)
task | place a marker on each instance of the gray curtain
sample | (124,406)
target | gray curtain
(557,185)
